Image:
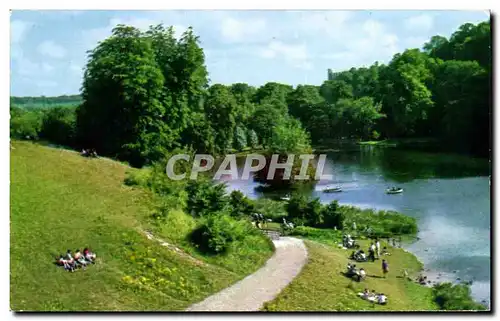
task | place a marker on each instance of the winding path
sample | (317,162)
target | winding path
(252,292)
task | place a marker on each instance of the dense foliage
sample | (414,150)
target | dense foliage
(304,211)
(140,102)
(455,297)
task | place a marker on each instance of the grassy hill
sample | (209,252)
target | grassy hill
(60,200)
(321,287)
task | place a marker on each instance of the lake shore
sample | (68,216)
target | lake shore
(434,275)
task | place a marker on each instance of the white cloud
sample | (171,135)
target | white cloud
(414,42)
(92,36)
(295,55)
(332,23)
(374,42)
(51,49)
(239,30)
(18,30)
(47,67)
(27,67)
(422,22)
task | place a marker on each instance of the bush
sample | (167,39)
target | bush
(274,210)
(217,231)
(177,225)
(455,297)
(205,197)
(332,216)
(316,234)
(241,205)
(25,124)
(59,126)
(379,223)
(303,211)
(138,177)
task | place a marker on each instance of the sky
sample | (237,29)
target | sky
(49,48)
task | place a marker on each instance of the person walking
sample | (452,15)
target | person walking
(385,267)
(377,246)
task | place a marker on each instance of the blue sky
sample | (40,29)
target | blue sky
(48,48)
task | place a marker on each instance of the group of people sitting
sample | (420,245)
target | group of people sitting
(422,280)
(374,297)
(89,152)
(359,256)
(354,273)
(348,242)
(72,261)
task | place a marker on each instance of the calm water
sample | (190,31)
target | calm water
(449,195)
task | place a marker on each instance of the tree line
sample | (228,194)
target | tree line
(33,102)
(147,93)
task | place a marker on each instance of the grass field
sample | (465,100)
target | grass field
(321,287)
(60,200)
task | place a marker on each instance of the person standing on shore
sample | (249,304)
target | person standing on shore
(385,267)
(371,252)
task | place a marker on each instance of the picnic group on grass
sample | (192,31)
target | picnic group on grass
(374,253)
(79,259)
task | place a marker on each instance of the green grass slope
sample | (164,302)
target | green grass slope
(321,287)
(62,201)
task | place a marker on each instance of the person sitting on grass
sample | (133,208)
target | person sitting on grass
(351,271)
(70,259)
(89,256)
(385,252)
(80,259)
(365,294)
(382,299)
(61,261)
(361,274)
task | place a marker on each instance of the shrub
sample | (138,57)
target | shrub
(217,231)
(303,211)
(240,205)
(59,126)
(177,225)
(274,210)
(323,235)
(205,197)
(332,216)
(25,124)
(379,223)
(138,177)
(455,297)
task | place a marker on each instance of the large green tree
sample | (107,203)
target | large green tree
(122,113)
(220,108)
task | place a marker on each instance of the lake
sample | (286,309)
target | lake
(448,194)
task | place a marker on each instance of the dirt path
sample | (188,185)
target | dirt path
(264,285)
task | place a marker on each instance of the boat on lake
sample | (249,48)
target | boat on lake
(394,190)
(336,189)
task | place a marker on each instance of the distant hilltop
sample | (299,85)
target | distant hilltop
(42,101)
